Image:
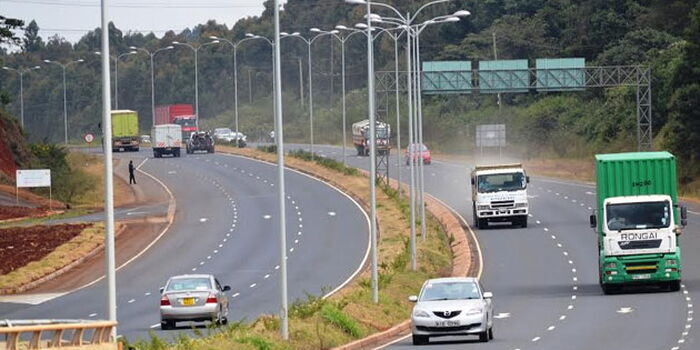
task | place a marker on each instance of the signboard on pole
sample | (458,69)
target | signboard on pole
(89,138)
(34,178)
(491,135)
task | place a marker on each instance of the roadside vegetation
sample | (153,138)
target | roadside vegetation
(349,314)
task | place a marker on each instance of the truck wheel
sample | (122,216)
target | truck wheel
(523,222)
(177,153)
(482,223)
(610,288)
(155,154)
(674,286)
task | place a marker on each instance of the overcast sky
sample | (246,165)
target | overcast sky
(73,18)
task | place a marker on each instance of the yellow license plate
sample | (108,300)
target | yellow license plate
(188,301)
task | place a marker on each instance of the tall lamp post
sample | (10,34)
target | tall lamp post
(271,42)
(235,45)
(116,74)
(65,104)
(153,77)
(195,49)
(309,42)
(20,71)
(343,39)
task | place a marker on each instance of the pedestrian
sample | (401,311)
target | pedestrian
(132,179)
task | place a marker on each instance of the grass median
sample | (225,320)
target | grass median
(349,314)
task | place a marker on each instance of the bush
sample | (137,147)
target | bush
(268,148)
(325,162)
(67,182)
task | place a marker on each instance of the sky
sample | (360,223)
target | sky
(71,19)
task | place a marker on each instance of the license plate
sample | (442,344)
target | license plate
(643,276)
(446,323)
(188,301)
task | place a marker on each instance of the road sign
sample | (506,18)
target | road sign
(34,178)
(491,135)
(89,138)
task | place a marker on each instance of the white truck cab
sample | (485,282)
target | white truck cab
(499,193)
(639,225)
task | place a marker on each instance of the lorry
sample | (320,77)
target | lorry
(125,130)
(499,194)
(200,141)
(166,139)
(638,220)
(360,137)
(181,114)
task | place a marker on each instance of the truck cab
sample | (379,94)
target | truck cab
(499,193)
(638,220)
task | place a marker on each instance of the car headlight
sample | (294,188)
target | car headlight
(473,312)
(483,207)
(420,314)
(521,205)
(611,265)
(671,262)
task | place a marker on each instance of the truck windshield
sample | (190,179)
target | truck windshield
(635,216)
(185,122)
(501,182)
(381,133)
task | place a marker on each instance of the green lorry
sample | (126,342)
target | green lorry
(638,220)
(125,131)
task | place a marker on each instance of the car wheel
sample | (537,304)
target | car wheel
(224,321)
(491,333)
(167,324)
(420,339)
(484,336)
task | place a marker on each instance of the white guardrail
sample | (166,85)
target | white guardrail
(53,334)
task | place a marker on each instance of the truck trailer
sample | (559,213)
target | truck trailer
(166,139)
(499,193)
(360,137)
(125,131)
(638,220)
(181,114)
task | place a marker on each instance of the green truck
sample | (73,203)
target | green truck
(638,220)
(125,131)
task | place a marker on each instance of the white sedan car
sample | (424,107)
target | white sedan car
(449,307)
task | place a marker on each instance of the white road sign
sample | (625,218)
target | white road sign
(34,178)
(89,138)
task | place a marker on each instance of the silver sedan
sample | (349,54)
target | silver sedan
(449,307)
(196,298)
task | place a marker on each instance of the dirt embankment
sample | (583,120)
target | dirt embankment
(13,149)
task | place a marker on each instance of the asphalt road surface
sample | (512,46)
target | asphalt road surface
(226,223)
(545,277)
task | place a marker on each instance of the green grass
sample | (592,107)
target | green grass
(72,213)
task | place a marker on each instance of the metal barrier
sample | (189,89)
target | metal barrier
(75,330)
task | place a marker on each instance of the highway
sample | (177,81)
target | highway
(545,277)
(226,223)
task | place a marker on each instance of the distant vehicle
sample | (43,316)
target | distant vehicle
(449,307)
(360,137)
(219,133)
(418,152)
(125,131)
(145,138)
(197,298)
(167,139)
(227,135)
(200,141)
(499,193)
(272,136)
(638,220)
(181,114)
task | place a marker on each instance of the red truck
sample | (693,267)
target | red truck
(181,114)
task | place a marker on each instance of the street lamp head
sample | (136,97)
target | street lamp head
(461,13)
(133,48)
(361,25)
(133,52)
(213,37)
(250,35)
(295,34)
(214,42)
(334,31)
(97,53)
(315,30)
(6,68)
(47,61)
(341,27)
(451,19)
(36,67)
(80,60)
(284,33)
(169,47)
(176,43)
(356,2)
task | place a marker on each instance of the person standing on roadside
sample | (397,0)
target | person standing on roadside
(132,179)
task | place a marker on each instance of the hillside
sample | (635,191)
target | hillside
(14,152)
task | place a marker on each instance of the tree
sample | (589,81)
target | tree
(7,27)
(32,40)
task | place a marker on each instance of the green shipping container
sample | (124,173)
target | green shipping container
(125,123)
(635,174)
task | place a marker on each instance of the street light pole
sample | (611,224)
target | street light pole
(151,56)
(65,103)
(20,71)
(196,74)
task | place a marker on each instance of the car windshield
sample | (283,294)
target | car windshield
(450,291)
(184,122)
(502,182)
(183,284)
(223,131)
(635,216)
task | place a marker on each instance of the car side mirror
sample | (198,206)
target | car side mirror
(684,215)
(413,299)
(593,221)
(161,289)
(527,179)
(472,180)
(226,289)
(488,295)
